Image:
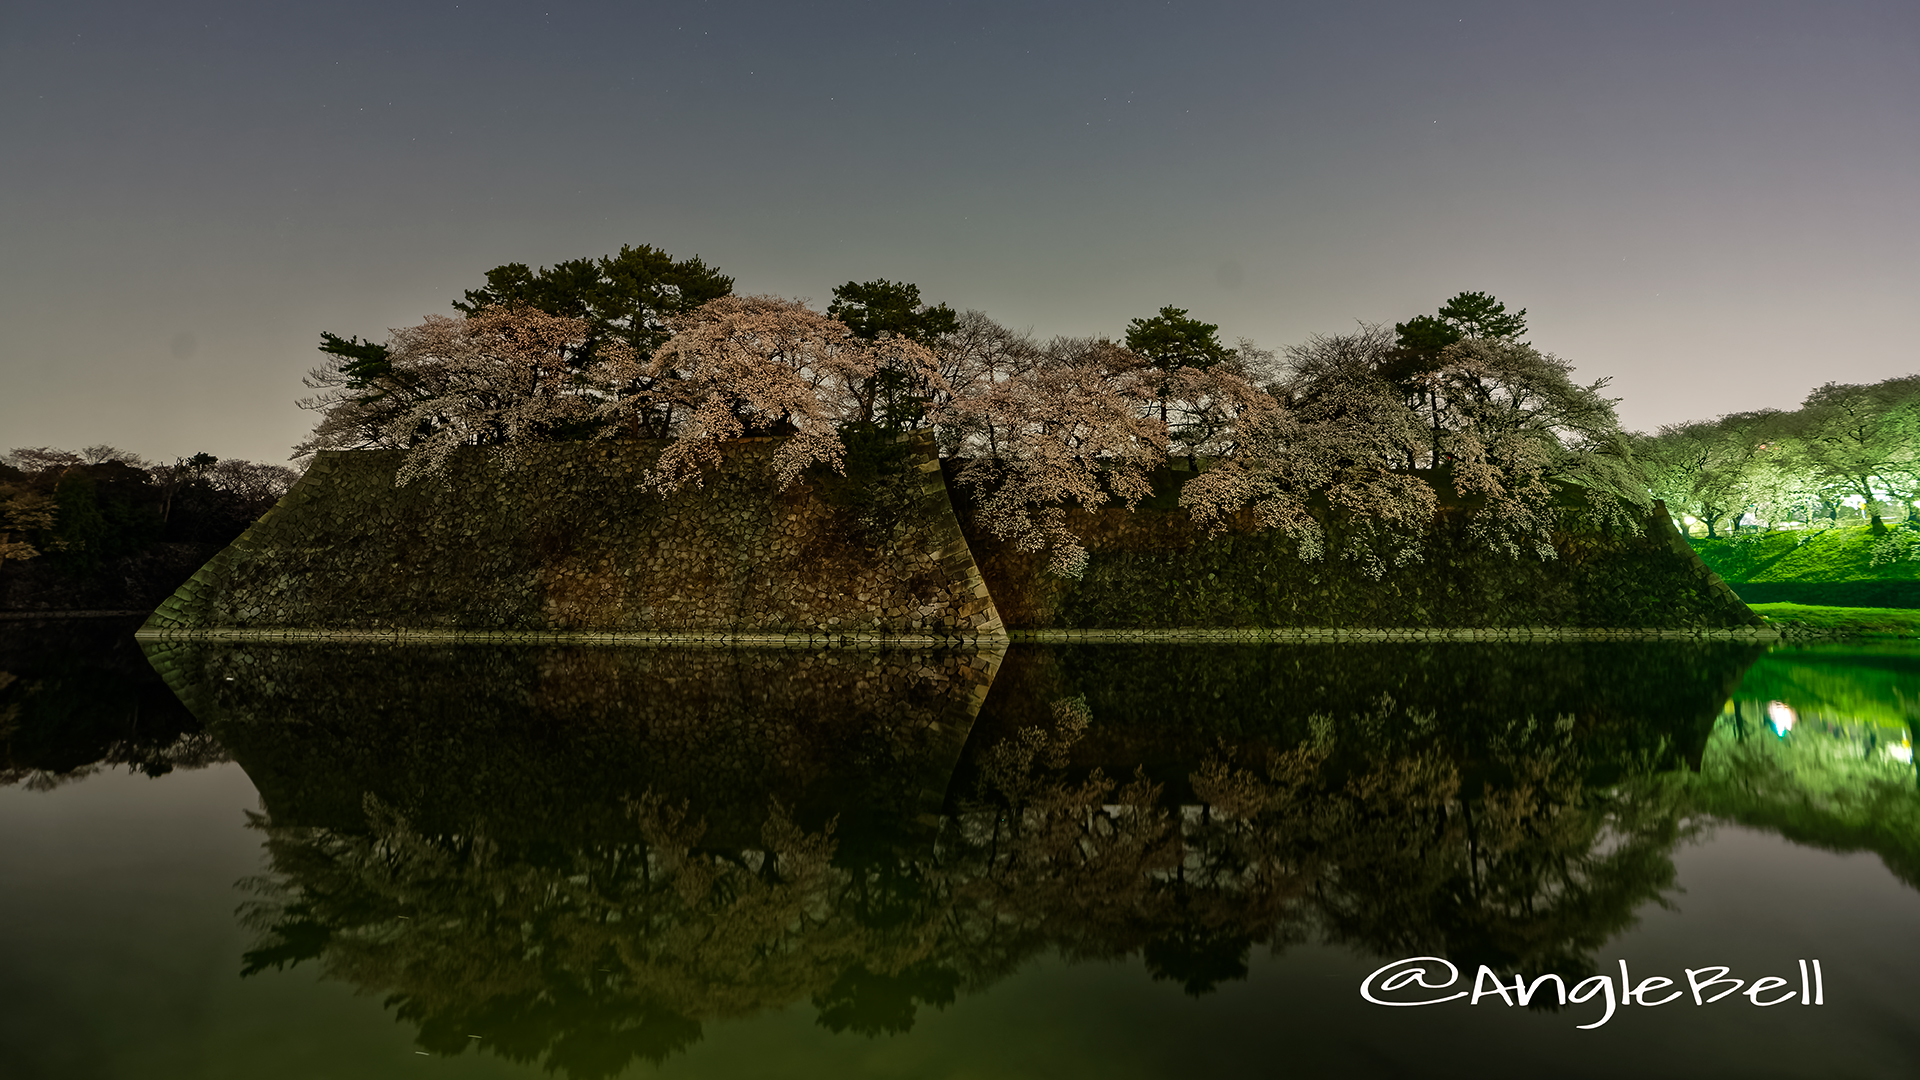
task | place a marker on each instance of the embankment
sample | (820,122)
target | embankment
(570,542)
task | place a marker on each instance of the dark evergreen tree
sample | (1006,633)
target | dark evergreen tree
(874,308)
(1479,315)
(1171,340)
(626,297)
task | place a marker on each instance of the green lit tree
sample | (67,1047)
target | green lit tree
(1864,440)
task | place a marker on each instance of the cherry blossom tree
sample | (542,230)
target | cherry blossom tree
(499,378)
(762,365)
(1502,426)
(1515,428)
(1069,430)
(1204,407)
(1340,443)
(973,356)
(1863,440)
(1708,469)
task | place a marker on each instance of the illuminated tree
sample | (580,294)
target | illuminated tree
(761,365)
(500,378)
(1710,469)
(1514,427)
(973,356)
(1342,442)
(1068,432)
(1864,440)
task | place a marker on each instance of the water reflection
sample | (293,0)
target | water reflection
(76,697)
(1817,745)
(586,857)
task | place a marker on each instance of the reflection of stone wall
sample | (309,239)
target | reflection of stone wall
(504,892)
(569,541)
(1170,705)
(521,739)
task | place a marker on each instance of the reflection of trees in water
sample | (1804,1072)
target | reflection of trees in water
(1828,781)
(1384,849)
(586,956)
(585,961)
(77,697)
(153,756)
(1532,867)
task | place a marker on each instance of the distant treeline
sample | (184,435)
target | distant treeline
(104,528)
(1847,451)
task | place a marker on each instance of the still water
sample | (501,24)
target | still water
(1113,861)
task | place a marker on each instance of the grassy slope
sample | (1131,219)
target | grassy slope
(1867,621)
(1821,568)
(1843,554)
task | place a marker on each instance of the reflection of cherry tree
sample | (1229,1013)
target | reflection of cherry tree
(583,960)
(583,956)
(1534,870)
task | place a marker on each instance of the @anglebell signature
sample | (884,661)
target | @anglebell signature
(1410,983)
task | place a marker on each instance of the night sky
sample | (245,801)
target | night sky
(1717,205)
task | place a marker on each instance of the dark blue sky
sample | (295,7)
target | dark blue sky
(1712,203)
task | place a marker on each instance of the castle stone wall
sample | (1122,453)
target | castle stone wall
(570,543)
(568,540)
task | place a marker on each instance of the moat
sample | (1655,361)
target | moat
(1036,859)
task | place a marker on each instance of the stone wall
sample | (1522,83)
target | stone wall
(570,541)
(1153,568)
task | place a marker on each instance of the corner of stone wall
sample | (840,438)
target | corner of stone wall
(1663,526)
(190,605)
(948,545)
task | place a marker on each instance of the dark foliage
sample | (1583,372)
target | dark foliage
(77,693)
(124,537)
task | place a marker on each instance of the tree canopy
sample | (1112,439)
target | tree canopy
(626,297)
(1350,445)
(1847,445)
(879,308)
(1479,315)
(1421,339)
(1171,340)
